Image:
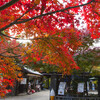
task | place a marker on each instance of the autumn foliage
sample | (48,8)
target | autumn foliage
(54,28)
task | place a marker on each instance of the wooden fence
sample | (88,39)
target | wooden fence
(76,98)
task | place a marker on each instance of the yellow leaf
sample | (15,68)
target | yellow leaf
(12,18)
(46,35)
(22,54)
(19,74)
(28,51)
(18,68)
(37,2)
(55,1)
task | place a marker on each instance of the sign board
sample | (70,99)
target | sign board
(61,88)
(80,88)
(87,86)
(61,91)
(62,85)
(93,86)
(24,81)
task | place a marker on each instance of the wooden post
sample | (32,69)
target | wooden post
(48,82)
(35,84)
(99,86)
(15,90)
(53,84)
(86,86)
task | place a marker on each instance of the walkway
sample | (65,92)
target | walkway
(43,95)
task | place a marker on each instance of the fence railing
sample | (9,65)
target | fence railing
(76,98)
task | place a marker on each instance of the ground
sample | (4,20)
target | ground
(43,95)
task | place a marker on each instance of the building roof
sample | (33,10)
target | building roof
(31,72)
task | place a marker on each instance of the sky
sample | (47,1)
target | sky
(97,44)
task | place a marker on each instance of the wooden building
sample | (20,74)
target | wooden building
(74,86)
(29,75)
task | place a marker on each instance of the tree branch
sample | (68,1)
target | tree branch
(37,38)
(8,4)
(49,13)
(90,69)
(14,22)
(59,53)
(12,48)
(10,56)
(97,13)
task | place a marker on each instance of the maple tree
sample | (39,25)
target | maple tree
(88,57)
(9,70)
(9,74)
(52,27)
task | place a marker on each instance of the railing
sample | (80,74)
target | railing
(76,98)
